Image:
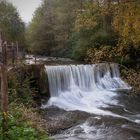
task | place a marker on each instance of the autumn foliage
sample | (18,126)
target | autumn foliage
(94,31)
(123,21)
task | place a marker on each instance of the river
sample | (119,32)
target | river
(90,102)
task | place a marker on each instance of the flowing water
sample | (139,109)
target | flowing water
(96,90)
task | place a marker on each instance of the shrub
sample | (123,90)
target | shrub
(20,121)
(102,54)
(19,87)
(132,77)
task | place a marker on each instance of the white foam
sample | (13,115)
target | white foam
(84,87)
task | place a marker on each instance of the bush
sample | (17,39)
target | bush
(102,54)
(104,39)
(23,121)
(19,86)
(20,127)
(132,77)
(79,53)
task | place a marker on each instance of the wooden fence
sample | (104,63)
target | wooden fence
(10,53)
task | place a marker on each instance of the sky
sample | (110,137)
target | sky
(26,8)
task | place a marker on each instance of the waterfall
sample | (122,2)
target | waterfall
(84,87)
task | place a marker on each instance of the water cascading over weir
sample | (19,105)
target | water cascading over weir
(88,88)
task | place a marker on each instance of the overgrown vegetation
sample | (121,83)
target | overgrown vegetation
(132,77)
(19,86)
(23,119)
(23,124)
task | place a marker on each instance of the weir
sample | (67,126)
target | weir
(84,87)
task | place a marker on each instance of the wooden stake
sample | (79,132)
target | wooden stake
(13,54)
(4,89)
(3,75)
(1,57)
(0,42)
(4,53)
(17,52)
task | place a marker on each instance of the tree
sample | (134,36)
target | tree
(10,23)
(50,31)
(126,23)
(40,36)
(94,25)
(122,19)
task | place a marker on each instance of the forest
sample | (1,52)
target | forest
(84,31)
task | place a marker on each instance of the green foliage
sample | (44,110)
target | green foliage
(10,23)
(23,122)
(88,17)
(72,27)
(52,26)
(79,53)
(20,129)
(19,87)
(102,38)
(92,24)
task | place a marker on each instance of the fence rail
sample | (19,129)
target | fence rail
(9,52)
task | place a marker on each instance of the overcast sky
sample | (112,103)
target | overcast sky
(26,8)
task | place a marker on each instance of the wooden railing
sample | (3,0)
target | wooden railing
(8,52)
(9,55)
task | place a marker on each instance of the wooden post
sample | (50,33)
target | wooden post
(4,87)
(4,53)
(0,58)
(4,100)
(1,43)
(17,52)
(13,54)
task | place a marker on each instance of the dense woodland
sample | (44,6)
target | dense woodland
(86,30)
(11,24)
